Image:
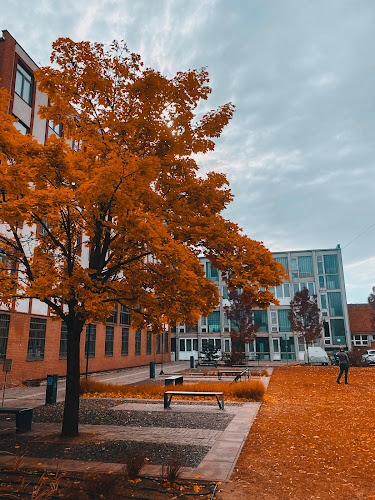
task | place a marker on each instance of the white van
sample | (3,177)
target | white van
(317,355)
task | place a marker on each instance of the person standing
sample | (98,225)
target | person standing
(343,358)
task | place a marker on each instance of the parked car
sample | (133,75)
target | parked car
(369,356)
(317,355)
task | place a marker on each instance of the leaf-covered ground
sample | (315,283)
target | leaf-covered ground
(312,439)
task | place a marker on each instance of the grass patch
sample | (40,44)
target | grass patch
(249,390)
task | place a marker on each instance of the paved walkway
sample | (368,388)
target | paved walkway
(225,446)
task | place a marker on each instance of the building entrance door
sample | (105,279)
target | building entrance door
(276,349)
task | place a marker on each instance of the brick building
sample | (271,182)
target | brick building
(361,324)
(34,340)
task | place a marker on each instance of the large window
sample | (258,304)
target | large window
(124,316)
(148,342)
(333,281)
(56,128)
(338,331)
(182,344)
(63,340)
(109,334)
(360,340)
(125,342)
(283,261)
(305,266)
(284,323)
(90,332)
(331,264)
(24,84)
(21,127)
(138,340)
(211,272)
(283,291)
(298,287)
(158,340)
(260,318)
(4,331)
(113,317)
(335,304)
(214,322)
(37,338)
(166,342)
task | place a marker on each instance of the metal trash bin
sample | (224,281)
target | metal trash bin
(152,369)
(51,390)
(192,362)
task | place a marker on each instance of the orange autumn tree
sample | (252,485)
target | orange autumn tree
(122,213)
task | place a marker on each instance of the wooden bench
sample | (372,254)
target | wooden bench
(174,380)
(24,417)
(236,373)
(169,394)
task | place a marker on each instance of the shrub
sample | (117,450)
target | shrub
(249,390)
(172,470)
(355,356)
(133,463)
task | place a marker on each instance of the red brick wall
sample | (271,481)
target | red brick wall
(7,51)
(24,369)
(360,318)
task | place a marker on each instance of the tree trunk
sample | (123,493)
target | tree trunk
(307,350)
(71,408)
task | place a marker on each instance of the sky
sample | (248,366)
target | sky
(299,151)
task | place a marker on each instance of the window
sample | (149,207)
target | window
(4,331)
(284,323)
(24,84)
(125,342)
(226,345)
(211,272)
(327,334)
(188,344)
(113,317)
(218,344)
(321,282)
(360,340)
(335,304)
(166,341)
(158,341)
(331,264)
(225,292)
(138,339)
(24,129)
(148,342)
(260,318)
(195,344)
(332,281)
(323,301)
(297,287)
(283,261)
(124,315)
(90,339)
(37,338)
(338,331)
(109,334)
(283,291)
(182,344)
(305,266)
(214,322)
(63,340)
(56,128)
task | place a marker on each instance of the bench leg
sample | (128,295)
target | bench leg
(167,401)
(23,420)
(221,405)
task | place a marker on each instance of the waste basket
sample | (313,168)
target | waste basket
(152,369)
(51,391)
(192,362)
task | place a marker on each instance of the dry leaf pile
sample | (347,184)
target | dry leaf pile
(312,438)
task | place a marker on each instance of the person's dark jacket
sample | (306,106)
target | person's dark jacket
(343,358)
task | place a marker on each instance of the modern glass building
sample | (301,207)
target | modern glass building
(320,271)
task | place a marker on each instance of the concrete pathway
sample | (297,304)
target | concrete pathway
(225,446)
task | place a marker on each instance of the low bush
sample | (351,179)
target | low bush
(249,390)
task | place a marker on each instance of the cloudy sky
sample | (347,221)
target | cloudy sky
(299,152)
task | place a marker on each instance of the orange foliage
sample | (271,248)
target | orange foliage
(311,439)
(249,390)
(123,184)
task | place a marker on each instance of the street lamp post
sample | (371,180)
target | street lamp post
(88,348)
(162,350)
